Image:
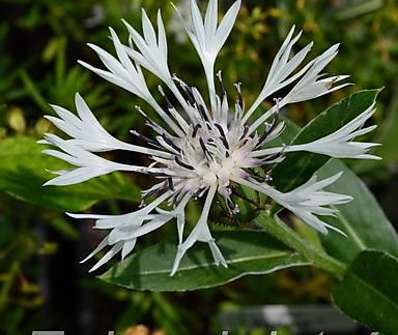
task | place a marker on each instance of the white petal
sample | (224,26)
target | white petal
(211,18)
(304,201)
(198,24)
(128,247)
(227,24)
(108,256)
(100,247)
(77,176)
(201,231)
(149,32)
(162,40)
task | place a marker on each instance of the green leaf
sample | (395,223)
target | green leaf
(313,252)
(23,172)
(362,219)
(298,167)
(369,291)
(247,253)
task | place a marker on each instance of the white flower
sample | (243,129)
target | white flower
(203,151)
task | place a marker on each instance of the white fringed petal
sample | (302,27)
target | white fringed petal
(200,233)
(88,165)
(86,132)
(282,68)
(208,38)
(306,201)
(311,83)
(339,144)
(125,229)
(121,72)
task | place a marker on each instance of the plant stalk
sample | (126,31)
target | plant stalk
(289,237)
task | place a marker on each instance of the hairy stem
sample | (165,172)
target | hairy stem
(289,237)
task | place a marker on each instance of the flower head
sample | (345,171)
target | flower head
(201,151)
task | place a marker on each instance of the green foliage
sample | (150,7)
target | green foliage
(248,252)
(23,173)
(364,222)
(369,291)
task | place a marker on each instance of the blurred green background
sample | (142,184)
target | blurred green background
(42,285)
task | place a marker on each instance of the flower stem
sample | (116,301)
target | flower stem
(289,237)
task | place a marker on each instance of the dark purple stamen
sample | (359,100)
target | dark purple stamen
(171,143)
(147,140)
(156,192)
(202,112)
(195,130)
(184,165)
(245,132)
(204,149)
(170,182)
(268,131)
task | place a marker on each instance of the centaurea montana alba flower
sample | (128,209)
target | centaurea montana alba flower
(202,151)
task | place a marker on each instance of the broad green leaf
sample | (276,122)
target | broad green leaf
(298,167)
(23,172)
(369,291)
(362,219)
(247,253)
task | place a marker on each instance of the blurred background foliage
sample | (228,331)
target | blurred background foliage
(42,286)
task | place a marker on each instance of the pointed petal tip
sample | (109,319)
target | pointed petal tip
(339,174)
(72,215)
(48,183)
(174,269)
(237,3)
(143,12)
(78,96)
(340,232)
